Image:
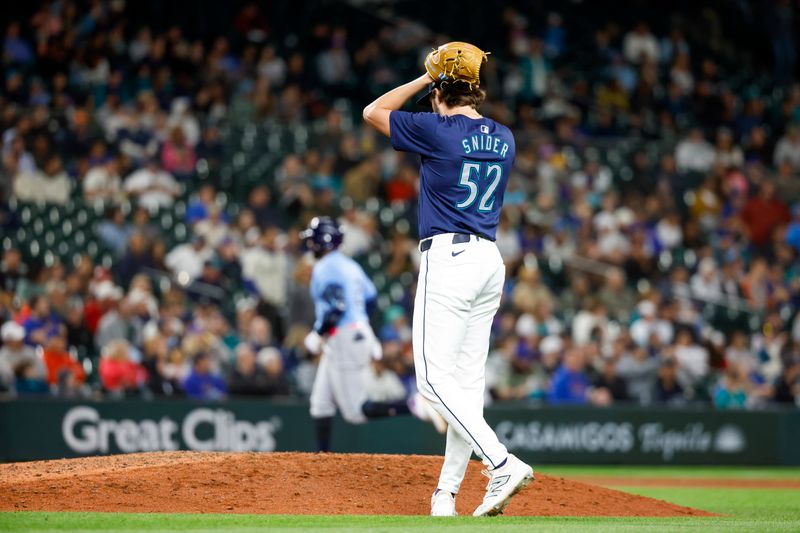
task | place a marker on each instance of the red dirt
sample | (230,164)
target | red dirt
(710,483)
(288,483)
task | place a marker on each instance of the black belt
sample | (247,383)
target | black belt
(458,238)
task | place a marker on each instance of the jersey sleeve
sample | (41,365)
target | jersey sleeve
(319,305)
(413,132)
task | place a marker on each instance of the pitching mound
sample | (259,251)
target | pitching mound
(288,483)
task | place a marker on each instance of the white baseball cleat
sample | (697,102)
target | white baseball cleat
(504,482)
(443,503)
(420,408)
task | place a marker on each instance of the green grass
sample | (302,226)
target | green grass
(722,472)
(760,510)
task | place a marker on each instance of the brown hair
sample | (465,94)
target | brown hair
(456,94)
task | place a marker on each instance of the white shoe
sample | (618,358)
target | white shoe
(420,408)
(504,482)
(443,504)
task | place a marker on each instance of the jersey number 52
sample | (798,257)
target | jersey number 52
(475,175)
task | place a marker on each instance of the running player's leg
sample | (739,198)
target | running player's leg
(470,374)
(441,316)
(323,407)
(350,355)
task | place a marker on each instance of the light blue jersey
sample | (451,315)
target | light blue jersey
(339,283)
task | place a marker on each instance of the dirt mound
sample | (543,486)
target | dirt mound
(288,483)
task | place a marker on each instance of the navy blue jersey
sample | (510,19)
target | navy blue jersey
(464,171)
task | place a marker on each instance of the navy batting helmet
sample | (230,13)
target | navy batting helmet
(322,235)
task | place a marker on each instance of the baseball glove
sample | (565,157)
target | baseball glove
(456,61)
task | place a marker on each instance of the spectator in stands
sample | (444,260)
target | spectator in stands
(102,182)
(186,260)
(259,333)
(40,321)
(119,322)
(247,377)
(213,229)
(177,155)
(266,268)
(272,362)
(152,187)
(52,185)
(113,230)
(787,388)
(640,45)
(201,204)
(12,271)
(16,50)
(640,371)
(119,373)
(694,153)
(763,213)
(591,318)
(788,148)
(63,371)
(28,380)
(706,284)
(692,359)
(570,384)
(136,259)
(610,380)
(648,328)
(534,69)
(732,390)
(259,203)
(668,390)
(727,153)
(792,237)
(203,383)
(681,74)
(14,353)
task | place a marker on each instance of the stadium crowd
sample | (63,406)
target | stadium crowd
(651,230)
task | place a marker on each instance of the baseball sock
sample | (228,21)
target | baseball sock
(384,409)
(324,428)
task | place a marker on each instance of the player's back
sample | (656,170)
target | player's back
(464,170)
(338,278)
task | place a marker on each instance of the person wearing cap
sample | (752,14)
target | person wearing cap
(14,353)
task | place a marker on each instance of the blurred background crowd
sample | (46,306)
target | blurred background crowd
(160,158)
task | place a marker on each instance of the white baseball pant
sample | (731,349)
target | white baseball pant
(458,294)
(340,377)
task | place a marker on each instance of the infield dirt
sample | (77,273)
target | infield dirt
(288,483)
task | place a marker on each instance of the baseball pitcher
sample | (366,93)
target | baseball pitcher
(466,159)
